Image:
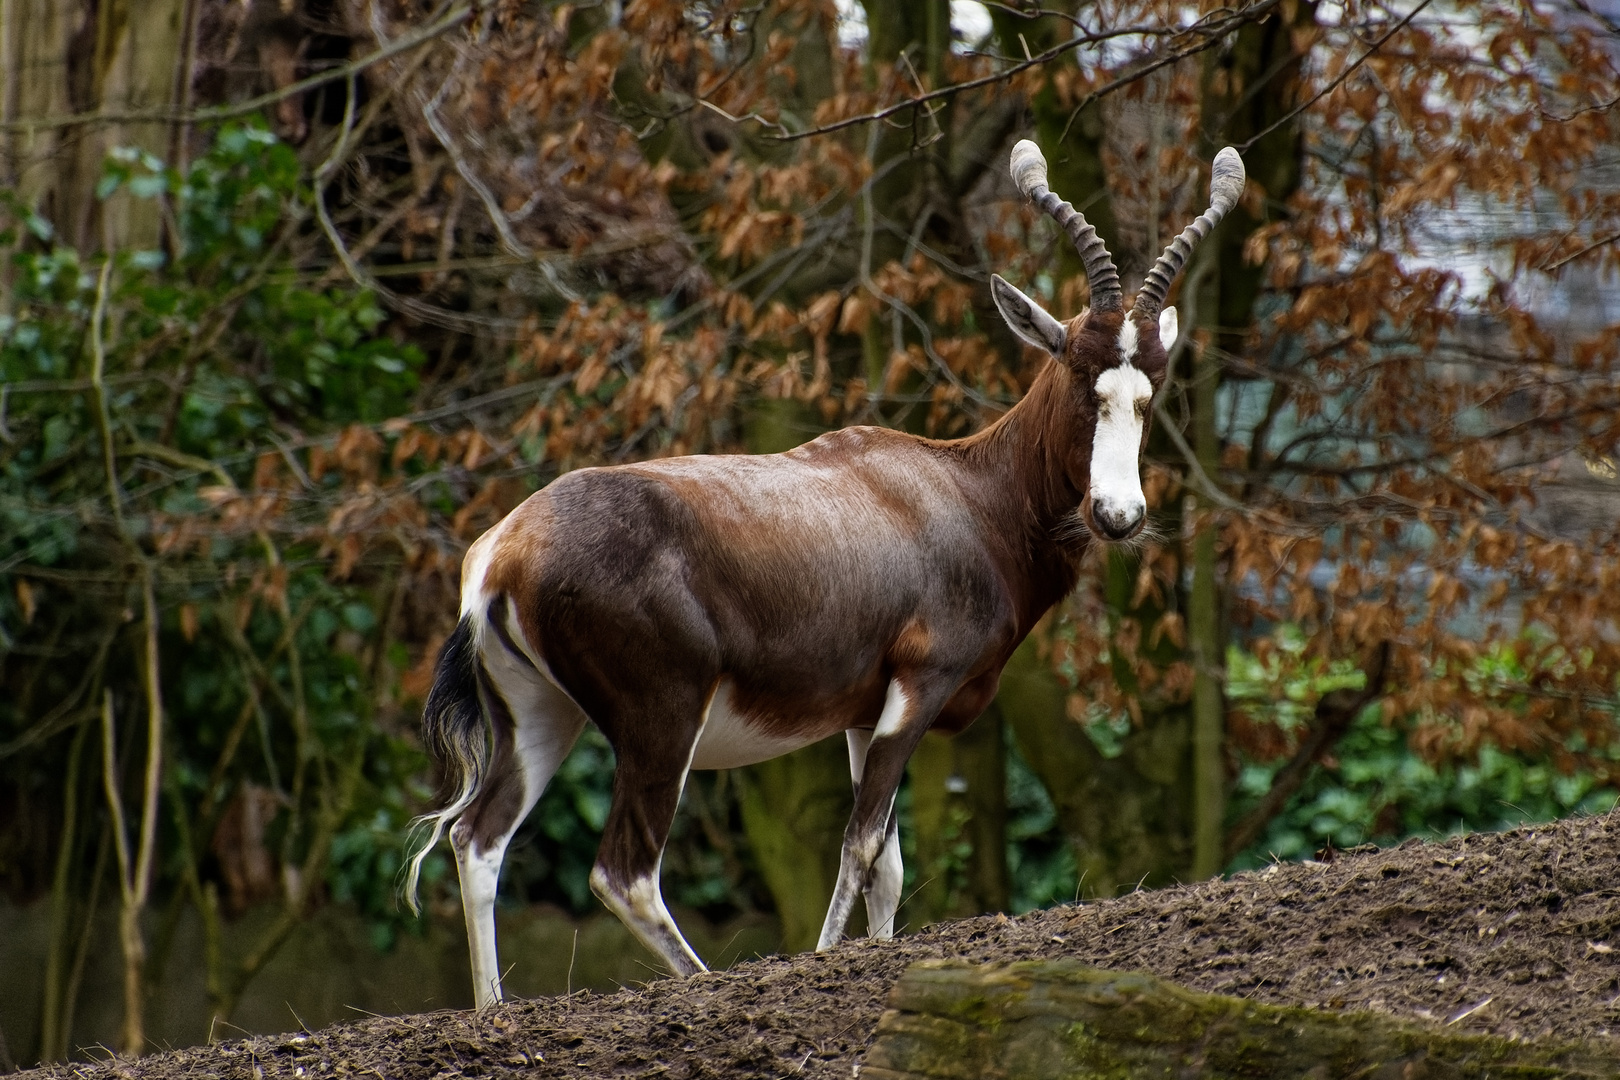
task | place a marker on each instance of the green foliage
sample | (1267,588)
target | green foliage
(1382,792)
(1375,787)
(1040,860)
(272,670)
(550,859)
(243,340)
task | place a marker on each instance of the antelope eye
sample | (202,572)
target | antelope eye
(1142,407)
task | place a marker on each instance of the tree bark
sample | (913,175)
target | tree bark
(1247,88)
(1127,817)
(61,57)
(139,53)
(794,810)
(1051,1019)
(39,50)
(959,820)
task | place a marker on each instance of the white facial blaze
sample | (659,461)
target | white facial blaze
(1127,340)
(1123,394)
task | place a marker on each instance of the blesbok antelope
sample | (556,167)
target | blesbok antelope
(710,612)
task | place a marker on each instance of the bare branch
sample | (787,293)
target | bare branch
(1211,33)
(428,313)
(98,364)
(1601,106)
(1588,249)
(1343,75)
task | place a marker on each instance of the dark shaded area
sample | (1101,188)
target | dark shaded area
(1509,933)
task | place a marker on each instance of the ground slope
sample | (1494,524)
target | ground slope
(1515,933)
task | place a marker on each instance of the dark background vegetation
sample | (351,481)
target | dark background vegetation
(300,297)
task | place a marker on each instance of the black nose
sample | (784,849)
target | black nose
(1118,524)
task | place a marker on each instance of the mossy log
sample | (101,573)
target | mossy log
(1051,1019)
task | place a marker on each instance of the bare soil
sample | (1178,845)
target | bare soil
(1516,933)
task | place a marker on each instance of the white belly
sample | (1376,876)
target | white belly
(729,739)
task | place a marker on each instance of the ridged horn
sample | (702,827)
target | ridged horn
(1029,173)
(1226,181)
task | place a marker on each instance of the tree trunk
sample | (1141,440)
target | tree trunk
(39,49)
(959,819)
(1248,88)
(794,810)
(68,57)
(1127,817)
(138,68)
(1056,1019)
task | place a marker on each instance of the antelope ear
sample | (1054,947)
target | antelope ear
(1027,318)
(1168,328)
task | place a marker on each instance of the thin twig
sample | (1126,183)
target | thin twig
(408,305)
(1196,477)
(98,364)
(435,123)
(1213,33)
(109,782)
(1343,75)
(1588,249)
(66,713)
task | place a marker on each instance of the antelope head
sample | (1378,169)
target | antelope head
(1118,359)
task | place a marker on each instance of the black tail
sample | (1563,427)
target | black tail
(454,733)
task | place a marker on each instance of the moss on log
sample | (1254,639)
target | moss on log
(1050,1019)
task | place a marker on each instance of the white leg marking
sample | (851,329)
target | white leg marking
(480,874)
(860,740)
(548,724)
(853,867)
(1116,471)
(883,894)
(855,863)
(640,904)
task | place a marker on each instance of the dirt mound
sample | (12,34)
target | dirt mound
(1512,933)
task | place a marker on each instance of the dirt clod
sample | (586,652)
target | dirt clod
(1512,933)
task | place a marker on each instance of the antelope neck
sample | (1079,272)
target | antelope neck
(1032,456)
